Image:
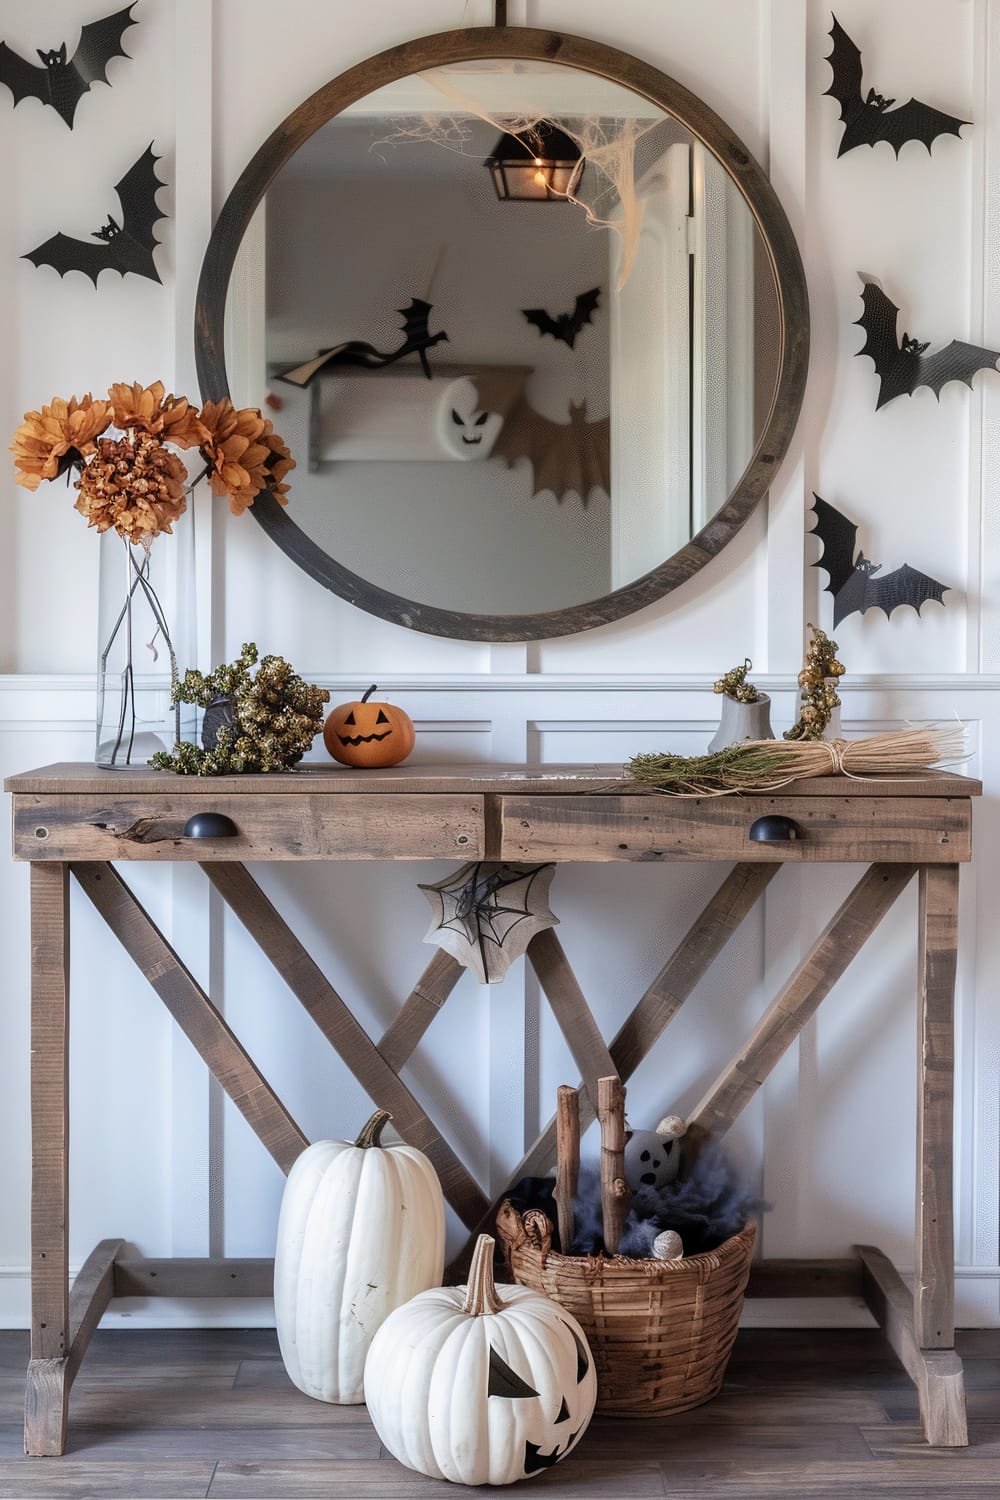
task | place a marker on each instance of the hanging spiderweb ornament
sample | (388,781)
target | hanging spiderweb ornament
(486,914)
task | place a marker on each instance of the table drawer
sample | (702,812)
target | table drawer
(933,830)
(346,826)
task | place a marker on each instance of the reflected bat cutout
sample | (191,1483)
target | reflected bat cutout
(565,457)
(416,340)
(61,83)
(565,326)
(124,247)
(902,368)
(870,119)
(856,583)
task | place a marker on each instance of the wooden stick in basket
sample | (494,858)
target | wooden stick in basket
(616,1195)
(567,1161)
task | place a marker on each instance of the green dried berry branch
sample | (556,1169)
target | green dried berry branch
(734,684)
(817,680)
(276,716)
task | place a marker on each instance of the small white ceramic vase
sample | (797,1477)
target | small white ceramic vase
(742,721)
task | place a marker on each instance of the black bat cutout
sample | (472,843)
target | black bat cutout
(901,368)
(871,119)
(854,581)
(60,83)
(565,326)
(125,247)
(416,340)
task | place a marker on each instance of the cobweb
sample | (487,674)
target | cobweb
(604,183)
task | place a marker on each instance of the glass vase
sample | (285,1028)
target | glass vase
(137,667)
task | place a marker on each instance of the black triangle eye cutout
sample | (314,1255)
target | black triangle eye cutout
(482,419)
(563,1413)
(504,1381)
(381,718)
(582,1357)
(350,719)
(456,418)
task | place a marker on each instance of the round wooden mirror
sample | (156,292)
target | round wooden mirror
(633,416)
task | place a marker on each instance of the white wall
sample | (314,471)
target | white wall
(158,1157)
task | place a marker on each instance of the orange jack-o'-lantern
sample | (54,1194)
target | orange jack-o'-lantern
(369,734)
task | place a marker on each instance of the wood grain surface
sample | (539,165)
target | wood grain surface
(908,829)
(804,1414)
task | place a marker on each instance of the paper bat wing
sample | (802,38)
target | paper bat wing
(912,121)
(887,591)
(137,194)
(24,80)
(583,312)
(956,361)
(845,60)
(67,254)
(898,373)
(565,456)
(415,318)
(100,41)
(540,319)
(839,537)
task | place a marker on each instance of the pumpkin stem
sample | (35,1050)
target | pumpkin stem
(371,1132)
(372,689)
(481,1294)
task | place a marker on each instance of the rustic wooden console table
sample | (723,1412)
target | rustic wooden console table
(80,820)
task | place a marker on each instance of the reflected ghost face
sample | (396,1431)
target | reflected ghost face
(465,430)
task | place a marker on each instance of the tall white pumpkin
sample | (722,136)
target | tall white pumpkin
(361,1231)
(480,1384)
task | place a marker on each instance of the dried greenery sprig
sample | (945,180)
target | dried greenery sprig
(765,765)
(273,718)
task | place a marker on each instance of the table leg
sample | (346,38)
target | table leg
(47,1392)
(934,1282)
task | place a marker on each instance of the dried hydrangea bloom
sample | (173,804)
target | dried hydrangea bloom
(147,408)
(134,485)
(235,452)
(49,441)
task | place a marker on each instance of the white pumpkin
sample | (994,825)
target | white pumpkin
(361,1231)
(480,1384)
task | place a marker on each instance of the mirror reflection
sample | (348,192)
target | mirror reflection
(521,331)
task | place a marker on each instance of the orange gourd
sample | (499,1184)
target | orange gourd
(369,734)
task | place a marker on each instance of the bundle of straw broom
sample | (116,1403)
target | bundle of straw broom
(765,765)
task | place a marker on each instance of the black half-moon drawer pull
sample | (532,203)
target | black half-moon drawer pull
(210,825)
(774,829)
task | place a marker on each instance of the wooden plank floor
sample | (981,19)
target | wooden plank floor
(190,1413)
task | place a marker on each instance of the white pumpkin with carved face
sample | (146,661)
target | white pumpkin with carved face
(480,1384)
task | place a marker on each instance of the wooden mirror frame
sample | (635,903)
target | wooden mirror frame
(520,43)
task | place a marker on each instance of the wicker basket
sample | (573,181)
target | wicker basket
(660,1331)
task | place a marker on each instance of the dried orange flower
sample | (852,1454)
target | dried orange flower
(145,407)
(278,465)
(50,441)
(235,452)
(133,484)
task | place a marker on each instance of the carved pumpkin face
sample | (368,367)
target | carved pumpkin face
(369,734)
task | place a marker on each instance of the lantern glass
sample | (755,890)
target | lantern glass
(537,167)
